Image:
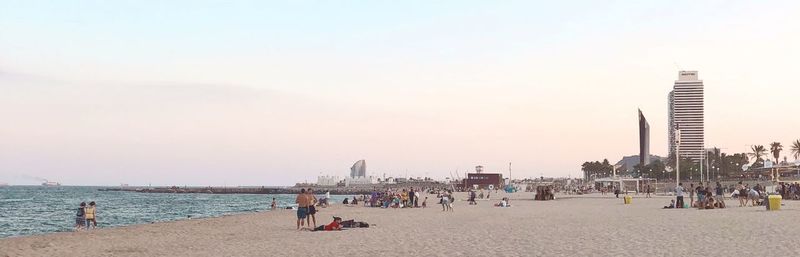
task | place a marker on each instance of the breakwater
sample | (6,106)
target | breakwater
(236,190)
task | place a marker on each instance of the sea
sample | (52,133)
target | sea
(32,210)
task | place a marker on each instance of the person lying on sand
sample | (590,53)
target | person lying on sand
(335,225)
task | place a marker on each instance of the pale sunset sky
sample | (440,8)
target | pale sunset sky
(278,92)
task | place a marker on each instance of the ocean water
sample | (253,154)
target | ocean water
(30,210)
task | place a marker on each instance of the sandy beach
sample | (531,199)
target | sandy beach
(591,225)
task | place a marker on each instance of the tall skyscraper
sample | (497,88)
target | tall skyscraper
(644,140)
(359,169)
(687,114)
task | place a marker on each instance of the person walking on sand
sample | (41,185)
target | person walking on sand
(302,201)
(452,200)
(471,197)
(679,195)
(312,201)
(647,190)
(691,194)
(445,201)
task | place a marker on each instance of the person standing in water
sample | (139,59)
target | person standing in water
(91,217)
(274,204)
(80,217)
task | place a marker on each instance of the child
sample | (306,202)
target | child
(90,216)
(335,225)
(671,205)
(425,202)
(80,217)
(274,204)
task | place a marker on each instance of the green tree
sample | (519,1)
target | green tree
(796,149)
(687,166)
(775,148)
(756,151)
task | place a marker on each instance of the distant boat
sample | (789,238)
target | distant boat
(51,184)
(123,185)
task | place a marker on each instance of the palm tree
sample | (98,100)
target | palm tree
(796,149)
(775,148)
(757,152)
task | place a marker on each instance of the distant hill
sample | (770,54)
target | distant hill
(628,162)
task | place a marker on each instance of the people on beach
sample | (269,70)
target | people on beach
(647,190)
(472,197)
(700,191)
(417,195)
(91,215)
(453,200)
(445,201)
(80,217)
(691,194)
(404,198)
(302,201)
(411,195)
(720,192)
(671,205)
(425,203)
(273,205)
(312,210)
(679,196)
(335,225)
(503,203)
(741,193)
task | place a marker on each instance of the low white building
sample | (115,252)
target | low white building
(368,180)
(327,180)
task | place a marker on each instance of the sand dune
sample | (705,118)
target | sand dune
(570,226)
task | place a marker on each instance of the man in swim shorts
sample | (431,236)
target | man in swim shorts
(302,208)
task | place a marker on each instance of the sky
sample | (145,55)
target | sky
(278,92)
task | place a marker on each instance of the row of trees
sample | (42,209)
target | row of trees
(775,148)
(597,169)
(718,164)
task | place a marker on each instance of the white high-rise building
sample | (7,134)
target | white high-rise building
(686,112)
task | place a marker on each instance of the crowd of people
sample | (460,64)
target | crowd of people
(709,198)
(789,191)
